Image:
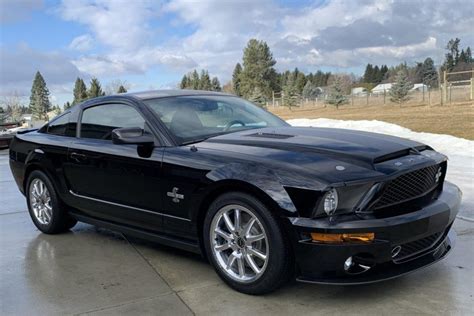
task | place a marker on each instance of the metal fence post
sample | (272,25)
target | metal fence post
(445,86)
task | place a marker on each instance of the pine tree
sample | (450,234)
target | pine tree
(310,91)
(401,87)
(95,89)
(184,82)
(121,89)
(452,56)
(469,55)
(369,74)
(430,74)
(215,84)
(290,92)
(257,69)
(39,99)
(195,81)
(67,106)
(236,79)
(337,94)
(257,97)
(205,81)
(57,110)
(80,91)
(300,82)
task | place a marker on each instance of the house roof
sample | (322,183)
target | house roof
(383,86)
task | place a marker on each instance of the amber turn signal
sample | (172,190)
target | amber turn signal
(340,238)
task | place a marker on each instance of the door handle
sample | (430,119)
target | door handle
(78,157)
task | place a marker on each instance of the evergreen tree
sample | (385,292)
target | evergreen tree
(290,92)
(121,89)
(215,84)
(258,69)
(300,82)
(257,97)
(205,81)
(469,55)
(452,56)
(195,81)
(430,74)
(39,99)
(401,87)
(95,89)
(184,82)
(337,94)
(383,72)
(310,91)
(369,74)
(236,79)
(376,76)
(57,110)
(80,91)
(67,106)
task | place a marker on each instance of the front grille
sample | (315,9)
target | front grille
(410,186)
(414,247)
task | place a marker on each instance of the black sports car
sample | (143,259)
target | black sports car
(263,201)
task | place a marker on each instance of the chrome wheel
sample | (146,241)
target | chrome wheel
(239,243)
(40,202)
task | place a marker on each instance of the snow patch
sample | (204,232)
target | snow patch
(460,151)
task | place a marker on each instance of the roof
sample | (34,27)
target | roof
(152,94)
(383,86)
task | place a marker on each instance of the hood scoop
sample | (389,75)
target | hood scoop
(270,135)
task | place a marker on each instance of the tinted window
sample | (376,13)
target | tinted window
(61,126)
(99,121)
(192,118)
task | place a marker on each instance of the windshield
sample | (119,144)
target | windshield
(195,118)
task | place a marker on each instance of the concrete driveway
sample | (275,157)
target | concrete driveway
(95,271)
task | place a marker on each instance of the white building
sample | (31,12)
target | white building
(419,87)
(359,91)
(382,88)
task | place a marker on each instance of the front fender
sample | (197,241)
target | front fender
(260,177)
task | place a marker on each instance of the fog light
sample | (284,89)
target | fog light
(330,202)
(348,264)
(340,238)
(357,265)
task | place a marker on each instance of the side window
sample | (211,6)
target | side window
(99,121)
(61,126)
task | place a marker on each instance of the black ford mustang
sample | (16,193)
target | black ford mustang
(263,201)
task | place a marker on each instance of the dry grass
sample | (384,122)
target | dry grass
(455,119)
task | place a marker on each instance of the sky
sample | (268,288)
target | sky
(151,44)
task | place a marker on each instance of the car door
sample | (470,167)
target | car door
(115,182)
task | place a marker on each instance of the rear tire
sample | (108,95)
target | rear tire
(245,244)
(48,212)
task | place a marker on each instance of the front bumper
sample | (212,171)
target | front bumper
(424,237)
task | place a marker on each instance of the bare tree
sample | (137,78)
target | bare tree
(113,87)
(13,107)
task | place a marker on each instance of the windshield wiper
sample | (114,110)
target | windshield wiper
(198,140)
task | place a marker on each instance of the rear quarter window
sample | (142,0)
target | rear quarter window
(61,126)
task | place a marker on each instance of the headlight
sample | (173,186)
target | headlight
(330,202)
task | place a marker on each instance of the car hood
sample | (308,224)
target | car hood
(357,147)
(321,152)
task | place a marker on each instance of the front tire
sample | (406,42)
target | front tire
(47,211)
(245,244)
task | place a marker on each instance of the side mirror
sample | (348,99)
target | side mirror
(132,135)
